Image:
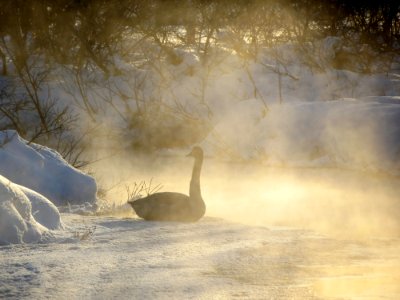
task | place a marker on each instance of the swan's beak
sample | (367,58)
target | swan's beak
(190,154)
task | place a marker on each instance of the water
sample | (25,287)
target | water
(343,227)
(330,201)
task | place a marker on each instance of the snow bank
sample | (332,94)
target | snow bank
(362,134)
(43,210)
(17,224)
(44,171)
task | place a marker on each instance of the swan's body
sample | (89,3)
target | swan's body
(170,206)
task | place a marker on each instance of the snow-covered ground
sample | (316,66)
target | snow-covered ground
(127,258)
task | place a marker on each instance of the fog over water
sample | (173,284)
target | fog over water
(331,201)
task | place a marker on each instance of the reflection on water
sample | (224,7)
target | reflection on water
(356,217)
(366,271)
(300,265)
(373,286)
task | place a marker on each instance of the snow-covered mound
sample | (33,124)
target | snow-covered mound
(17,221)
(362,134)
(44,171)
(43,210)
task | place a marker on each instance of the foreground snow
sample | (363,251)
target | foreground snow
(127,258)
(25,216)
(33,180)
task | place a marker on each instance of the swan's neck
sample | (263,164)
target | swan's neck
(194,191)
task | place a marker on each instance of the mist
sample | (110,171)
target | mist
(338,202)
(296,105)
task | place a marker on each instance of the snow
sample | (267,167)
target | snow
(213,90)
(212,259)
(26,214)
(253,112)
(351,133)
(44,171)
(43,210)
(17,224)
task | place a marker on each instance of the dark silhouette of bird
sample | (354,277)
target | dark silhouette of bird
(169,206)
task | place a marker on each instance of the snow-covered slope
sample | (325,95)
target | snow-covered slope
(354,133)
(17,223)
(44,171)
(43,210)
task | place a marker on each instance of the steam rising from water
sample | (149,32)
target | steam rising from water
(352,251)
(331,201)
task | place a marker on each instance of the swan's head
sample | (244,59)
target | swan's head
(196,152)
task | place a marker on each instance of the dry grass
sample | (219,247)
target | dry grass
(85,234)
(138,189)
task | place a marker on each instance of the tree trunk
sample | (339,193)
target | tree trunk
(4,63)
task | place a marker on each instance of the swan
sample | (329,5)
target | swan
(170,206)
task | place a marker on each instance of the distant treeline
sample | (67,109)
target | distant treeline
(78,31)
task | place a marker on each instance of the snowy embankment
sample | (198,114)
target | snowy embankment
(41,179)
(25,216)
(362,134)
(44,171)
(280,108)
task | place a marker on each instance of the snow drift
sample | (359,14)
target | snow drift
(43,210)
(18,208)
(44,171)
